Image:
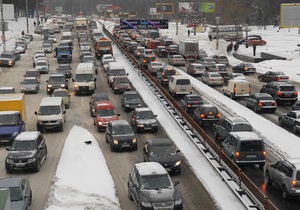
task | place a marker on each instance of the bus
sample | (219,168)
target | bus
(228,32)
(81,24)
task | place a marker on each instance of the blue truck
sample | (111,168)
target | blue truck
(63,54)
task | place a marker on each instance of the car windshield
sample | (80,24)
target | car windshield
(118,72)
(287,88)
(84,77)
(265,98)
(46,45)
(194,98)
(159,150)
(106,112)
(209,110)
(210,60)
(9,119)
(247,146)
(49,110)
(15,194)
(155,182)
(121,130)
(156,64)
(63,68)
(6,56)
(132,96)
(170,72)
(23,145)
(63,49)
(198,67)
(144,115)
(56,79)
(41,64)
(279,73)
(31,74)
(121,81)
(248,65)
(60,93)
(29,81)
(242,127)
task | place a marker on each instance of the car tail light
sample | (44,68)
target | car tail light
(278,93)
(218,115)
(293,182)
(237,155)
(175,60)
(211,79)
(278,79)
(188,105)
(264,153)
(234,88)
(144,61)
(295,93)
(275,104)
(260,104)
(202,115)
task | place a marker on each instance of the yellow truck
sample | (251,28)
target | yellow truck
(12,116)
(103,46)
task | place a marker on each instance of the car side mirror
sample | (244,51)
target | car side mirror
(155,115)
(177,151)
(64,112)
(73,80)
(35,113)
(127,74)
(41,147)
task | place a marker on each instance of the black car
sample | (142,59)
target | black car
(281,92)
(143,119)
(190,101)
(97,97)
(261,102)
(161,51)
(164,152)
(244,68)
(120,136)
(28,152)
(206,114)
(131,100)
(291,120)
(56,81)
(164,74)
(65,69)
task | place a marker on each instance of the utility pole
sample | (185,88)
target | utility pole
(27,25)
(37,12)
(3,27)
(217,34)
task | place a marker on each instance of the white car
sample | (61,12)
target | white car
(52,38)
(85,46)
(154,66)
(107,57)
(42,66)
(20,48)
(37,56)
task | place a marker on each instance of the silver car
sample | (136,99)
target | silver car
(42,66)
(47,48)
(176,60)
(30,85)
(212,78)
(196,69)
(154,66)
(85,46)
(52,38)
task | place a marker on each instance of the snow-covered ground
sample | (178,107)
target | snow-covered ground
(68,193)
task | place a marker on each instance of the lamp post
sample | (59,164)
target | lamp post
(37,12)
(27,25)
(3,27)
(217,34)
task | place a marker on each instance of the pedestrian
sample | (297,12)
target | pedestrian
(229,48)
(34,24)
(236,46)
(22,33)
(210,37)
(254,50)
(189,32)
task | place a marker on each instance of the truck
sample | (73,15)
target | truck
(188,49)
(103,46)
(63,54)
(85,79)
(81,24)
(5,199)
(12,116)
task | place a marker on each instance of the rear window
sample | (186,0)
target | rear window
(287,88)
(298,175)
(199,67)
(222,67)
(251,146)
(242,127)
(215,75)
(210,110)
(183,82)
(170,72)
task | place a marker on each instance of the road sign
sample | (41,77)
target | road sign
(144,24)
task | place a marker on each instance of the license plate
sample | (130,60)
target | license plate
(147,128)
(182,90)
(251,156)
(210,116)
(20,165)
(126,145)
(4,140)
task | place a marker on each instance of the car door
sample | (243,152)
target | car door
(196,114)
(108,133)
(251,101)
(268,76)
(25,193)
(134,185)
(289,119)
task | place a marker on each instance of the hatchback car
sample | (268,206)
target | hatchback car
(206,114)
(176,60)
(212,78)
(261,102)
(65,69)
(120,136)
(131,100)
(154,66)
(146,183)
(20,192)
(64,93)
(196,69)
(120,85)
(190,102)
(207,62)
(143,119)
(164,152)
(30,85)
(28,152)
(270,76)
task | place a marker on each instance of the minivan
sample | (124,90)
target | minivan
(237,88)
(245,148)
(85,79)
(115,69)
(180,85)
(51,114)
(67,37)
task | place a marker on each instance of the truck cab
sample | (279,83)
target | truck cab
(63,54)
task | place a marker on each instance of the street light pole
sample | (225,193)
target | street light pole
(217,34)
(3,27)
(37,12)
(27,25)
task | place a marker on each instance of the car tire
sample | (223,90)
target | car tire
(38,166)
(255,109)
(246,104)
(216,135)
(62,128)
(30,199)
(232,96)
(295,129)
(8,171)
(281,122)
(106,140)
(129,194)
(268,179)
(260,79)
(285,193)
(112,149)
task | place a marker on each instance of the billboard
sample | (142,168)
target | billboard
(144,24)
(290,15)
(189,7)
(8,12)
(165,8)
(207,7)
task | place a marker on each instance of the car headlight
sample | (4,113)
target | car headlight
(178,163)
(31,160)
(63,85)
(178,202)
(134,140)
(10,161)
(110,80)
(140,125)
(146,204)
(116,88)
(92,86)
(116,141)
(22,88)
(139,104)
(127,105)
(49,86)
(15,133)
(10,62)
(100,123)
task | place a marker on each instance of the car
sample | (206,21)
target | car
(104,112)
(212,79)
(195,69)
(147,181)
(56,29)
(33,73)
(154,66)
(291,120)
(176,60)
(220,68)
(221,59)
(190,102)
(285,175)
(7,90)
(94,98)
(29,35)
(244,68)
(36,56)
(85,46)
(207,62)
(231,124)
(146,57)
(30,85)
(120,136)
(164,152)
(120,84)
(126,41)
(65,69)
(137,52)
(131,100)
(206,115)
(270,76)
(20,48)
(107,57)
(42,65)
(172,49)
(165,73)
(261,102)
(143,119)
(202,53)
(47,48)
(281,92)
(8,58)
(64,93)
(27,152)
(84,53)
(229,76)
(38,29)
(17,54)
(52,38)
(20,192)
(90,59)
(161,51)
(55,81)
(256,41)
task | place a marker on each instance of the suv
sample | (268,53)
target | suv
(28,151)
(165,73)
(286,175)
(150,187)
(119,135)
(56,81)
(206,114)
(231,124)
(8,58)
(281,91)
(143,119)
(291,120)
(131,100)
(146,57)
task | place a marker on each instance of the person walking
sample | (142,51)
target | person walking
(229,48)
(236,46)
(22,33)
(254,50)
(34,24)
(189,32)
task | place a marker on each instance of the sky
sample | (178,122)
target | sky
(282,42)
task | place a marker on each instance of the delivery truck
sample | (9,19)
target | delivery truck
(188,49)
(12,116)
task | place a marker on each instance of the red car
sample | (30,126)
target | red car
(33,73)
(120,85)
(270,76)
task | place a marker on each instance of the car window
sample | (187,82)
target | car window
(15,194)
(287,88)
(241,127)
(298,175)
(121,130)
(155,182)
(209,110)
(251,146)
(183,82)
(23,146)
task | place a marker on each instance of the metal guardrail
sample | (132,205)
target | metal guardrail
(241,186)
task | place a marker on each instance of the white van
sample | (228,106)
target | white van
(115,69)
(51,114)
(67,37)
(85,79)
(180,85)
(237,88)
(96,34)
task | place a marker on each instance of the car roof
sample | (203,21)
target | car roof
(130,93)
(150,168)
(119,122)
(237,120)
(142,109)
(246,135)
(161,142)
(10,182)
(30,78)
(27,135)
